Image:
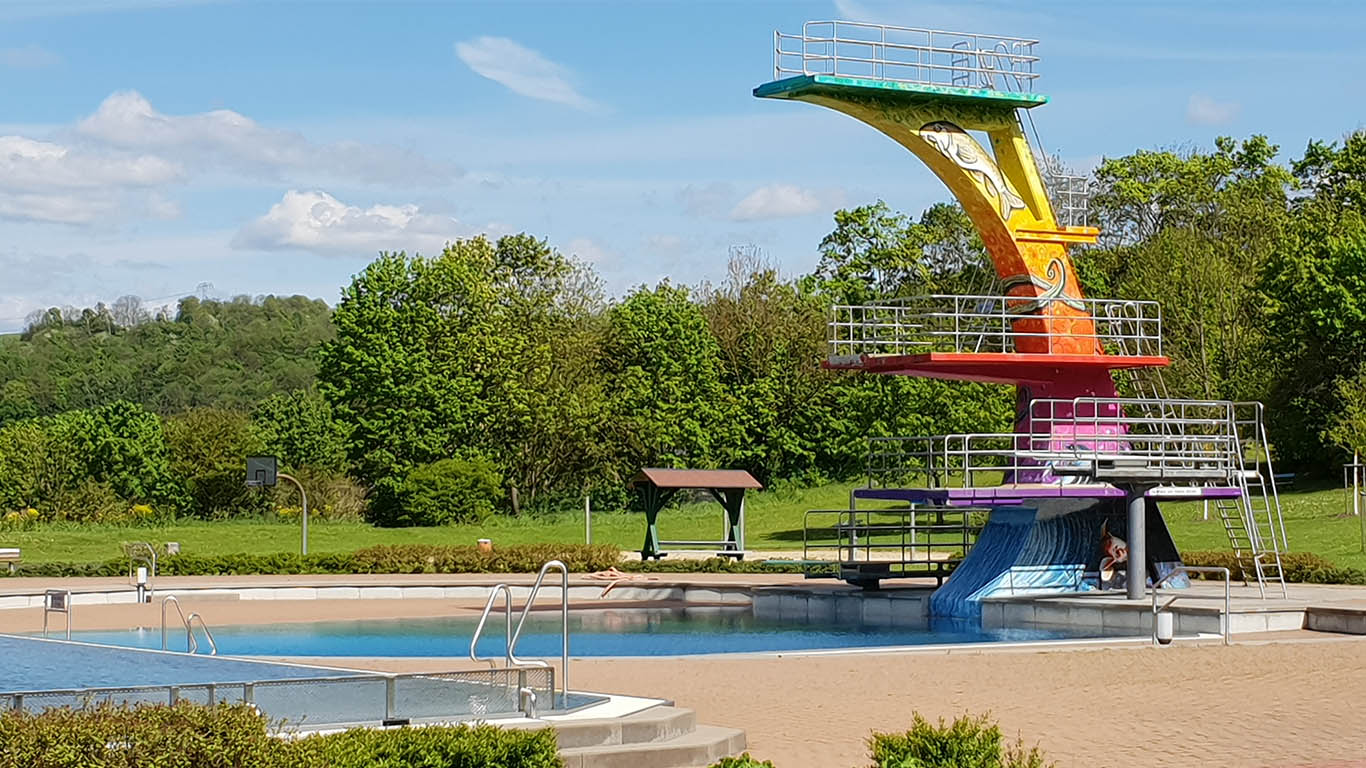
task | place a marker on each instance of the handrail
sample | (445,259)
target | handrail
(1228,600)
(514,635)
(189,627)
(191,644)
(483,618)
(564,622)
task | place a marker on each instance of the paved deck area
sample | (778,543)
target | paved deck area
(1277,700)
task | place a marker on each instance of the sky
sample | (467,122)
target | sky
(161,149)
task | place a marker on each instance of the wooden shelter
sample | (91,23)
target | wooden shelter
(657,486)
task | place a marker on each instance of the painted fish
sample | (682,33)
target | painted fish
(955,144)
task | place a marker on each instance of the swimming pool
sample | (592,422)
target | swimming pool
(39,674)
(593,632)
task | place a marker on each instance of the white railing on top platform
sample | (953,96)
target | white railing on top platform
(907,55)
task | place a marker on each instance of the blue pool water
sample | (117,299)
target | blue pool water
(596,632)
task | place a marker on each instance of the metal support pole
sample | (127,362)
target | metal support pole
(1137,578)
(303,540)
(587,521)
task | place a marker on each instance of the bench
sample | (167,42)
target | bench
(10,556)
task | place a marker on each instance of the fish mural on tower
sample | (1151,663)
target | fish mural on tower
(955,144)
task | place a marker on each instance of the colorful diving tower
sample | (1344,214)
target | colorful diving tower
(1073,492)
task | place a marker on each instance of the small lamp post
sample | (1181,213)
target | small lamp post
(263,472)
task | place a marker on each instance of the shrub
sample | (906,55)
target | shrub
(447,491)
(968,742)
(193,735)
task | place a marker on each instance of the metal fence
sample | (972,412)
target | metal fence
(981,324)
(1182,442)
(343,699)
(907,55)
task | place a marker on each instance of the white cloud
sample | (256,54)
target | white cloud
(1203,110)
(236,143)
(521,70)
(781,201)
(590,251)
(46,181)
(29,164)
(28,57)
(318,222)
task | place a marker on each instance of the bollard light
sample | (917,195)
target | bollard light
(1164,627)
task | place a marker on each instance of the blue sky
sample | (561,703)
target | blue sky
(148,147)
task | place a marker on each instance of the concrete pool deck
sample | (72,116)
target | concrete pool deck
(1282,699)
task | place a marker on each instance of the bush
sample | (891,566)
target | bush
(447,491)
(192,735)
(968,742)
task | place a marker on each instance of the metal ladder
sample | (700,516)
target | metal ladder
(191,644)
(513,635)
(1258,533)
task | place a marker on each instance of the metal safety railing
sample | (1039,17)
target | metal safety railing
(907,55)
(1224,628)
(993,324)
(311,702)
(514,634)
(1167,442)
(191,644)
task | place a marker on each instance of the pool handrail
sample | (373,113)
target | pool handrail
(514,635)
(564,621)
(1185,569)
(191,644)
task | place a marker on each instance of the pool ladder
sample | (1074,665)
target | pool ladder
(513,635)
(191,644)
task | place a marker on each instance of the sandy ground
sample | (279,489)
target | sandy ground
(1267,704)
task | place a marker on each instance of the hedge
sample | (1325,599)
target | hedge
(1300,567)
(188,735)
(406,558)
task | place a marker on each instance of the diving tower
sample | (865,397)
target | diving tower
(1080,452)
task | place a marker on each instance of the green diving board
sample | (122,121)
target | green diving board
(802,85)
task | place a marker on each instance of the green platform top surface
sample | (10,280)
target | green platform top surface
(793,87)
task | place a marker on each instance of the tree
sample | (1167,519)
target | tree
(1194,231)
(662,369)
(208,450)
(876,252)
(298,428)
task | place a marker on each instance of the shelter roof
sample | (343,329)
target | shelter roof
(695,478)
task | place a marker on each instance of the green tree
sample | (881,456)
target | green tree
(1194,231)
(298,427)
(208,450)
(662,369)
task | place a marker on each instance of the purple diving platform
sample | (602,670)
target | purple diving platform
(1020,493)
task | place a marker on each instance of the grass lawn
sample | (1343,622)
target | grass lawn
(1313,520)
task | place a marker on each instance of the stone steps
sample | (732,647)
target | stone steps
(704,746)
(662,736)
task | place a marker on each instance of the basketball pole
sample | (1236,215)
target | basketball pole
(303,541)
